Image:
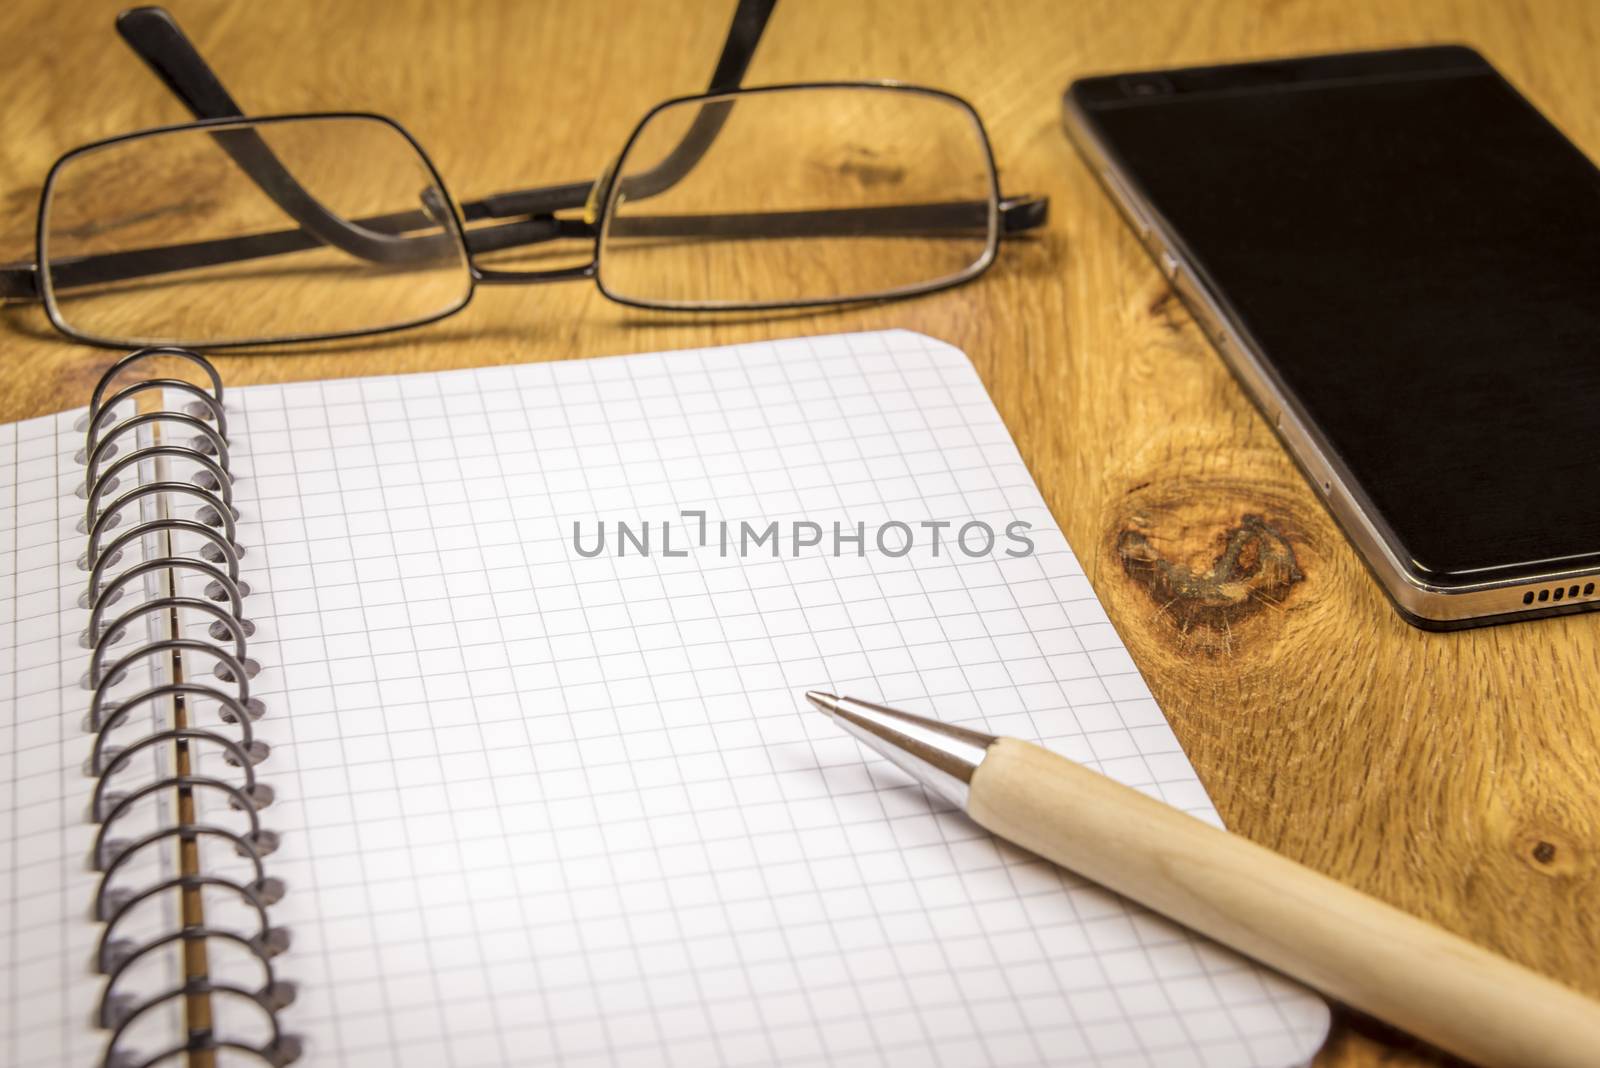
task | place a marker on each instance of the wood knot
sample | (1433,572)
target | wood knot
(1548,852)
(1217,567)
(1254,569)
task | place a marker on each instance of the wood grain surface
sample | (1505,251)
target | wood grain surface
(1454,775)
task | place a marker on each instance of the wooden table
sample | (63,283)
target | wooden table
(1455,775)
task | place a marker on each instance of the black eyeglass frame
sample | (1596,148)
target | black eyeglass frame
(158,39)
(609,182)
(46,291)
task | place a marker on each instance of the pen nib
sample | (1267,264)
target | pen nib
(825,701)
(941,756)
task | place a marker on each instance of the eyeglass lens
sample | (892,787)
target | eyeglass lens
(798,195)
(264,230)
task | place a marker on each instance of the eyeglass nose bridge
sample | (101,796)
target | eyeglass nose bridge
(536,228)
(708,122)
(518,234)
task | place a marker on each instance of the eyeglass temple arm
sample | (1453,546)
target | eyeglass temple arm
(1017,215)
(892,220)
(749,19)
(158,39)
(738,49)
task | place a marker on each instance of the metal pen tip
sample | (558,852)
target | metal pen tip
(825,701)
(941,756)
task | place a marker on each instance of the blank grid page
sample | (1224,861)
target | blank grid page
(538,807)
(48,988)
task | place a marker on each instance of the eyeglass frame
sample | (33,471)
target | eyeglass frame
(155,35)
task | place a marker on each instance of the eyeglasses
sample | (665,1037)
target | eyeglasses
(233,230)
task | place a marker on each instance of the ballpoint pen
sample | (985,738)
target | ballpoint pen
(1357,949)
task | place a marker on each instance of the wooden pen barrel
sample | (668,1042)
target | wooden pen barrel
(1352,947)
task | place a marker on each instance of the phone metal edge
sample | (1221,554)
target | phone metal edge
(1420,603)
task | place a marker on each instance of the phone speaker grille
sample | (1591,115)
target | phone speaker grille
(1552,594)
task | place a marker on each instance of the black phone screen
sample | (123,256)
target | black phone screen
(1416,250)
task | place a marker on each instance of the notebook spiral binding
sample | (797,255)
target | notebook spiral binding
(202,507)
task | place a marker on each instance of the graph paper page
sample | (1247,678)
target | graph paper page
(49,989)
(542,807)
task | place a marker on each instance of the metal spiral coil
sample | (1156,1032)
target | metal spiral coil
(111,525)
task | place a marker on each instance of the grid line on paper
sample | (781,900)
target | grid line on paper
(1037,731)
(721,639)
(1039,1051)
(1127,910)
(46,936)
(766,1034)
(521,898)
(876,683)
(1128,1018)
(303,880)
(13,788)
(566,890)
(923,417)
(600,584)
(766,634)
(62,627)
(434,971)
(340,1031)
(914,565)
(869,678)
(1144,948)
(625,810)
(489,582)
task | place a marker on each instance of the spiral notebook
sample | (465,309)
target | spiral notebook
(332,736)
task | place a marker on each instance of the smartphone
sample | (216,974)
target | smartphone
(1399,258)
